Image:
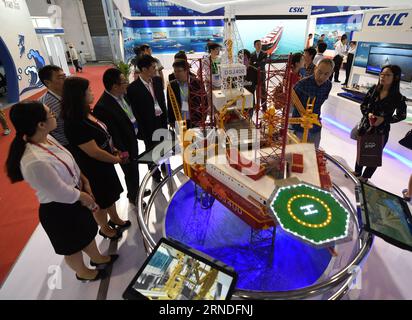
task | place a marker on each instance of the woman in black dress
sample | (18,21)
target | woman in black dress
(94,152)
(63,192)
(382,105)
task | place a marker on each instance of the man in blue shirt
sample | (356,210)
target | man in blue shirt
(318,85)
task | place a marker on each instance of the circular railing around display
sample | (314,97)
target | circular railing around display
(337,285)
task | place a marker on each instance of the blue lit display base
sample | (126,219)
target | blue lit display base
(290,264)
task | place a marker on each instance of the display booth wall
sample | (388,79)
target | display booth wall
(169,28)
(20,50)
(385,38)
(383,33)
(334,22)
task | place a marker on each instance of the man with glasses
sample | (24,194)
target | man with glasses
(185,87)
(53,78)
(114,110)
(147,100)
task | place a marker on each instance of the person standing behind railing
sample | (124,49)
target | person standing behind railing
(382,105)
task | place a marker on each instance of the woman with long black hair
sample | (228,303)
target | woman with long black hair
(93,150)
(382,105)
(63,192)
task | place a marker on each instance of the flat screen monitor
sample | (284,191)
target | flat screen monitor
(387,216)
(382,56)
(174,271)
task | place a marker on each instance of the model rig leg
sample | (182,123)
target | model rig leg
(205,199)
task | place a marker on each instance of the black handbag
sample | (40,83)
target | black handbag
(407,140)
(358,129)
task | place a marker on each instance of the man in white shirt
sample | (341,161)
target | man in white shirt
(75,58)
(147,99)
(340,51)
(349,60)
(319,56)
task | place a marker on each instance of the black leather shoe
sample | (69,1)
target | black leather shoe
(118,235)
(113,258)
(101,274)
(120,226)
(157,179)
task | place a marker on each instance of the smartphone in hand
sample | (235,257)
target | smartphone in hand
(124,155)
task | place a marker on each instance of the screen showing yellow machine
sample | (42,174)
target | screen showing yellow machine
(172,273)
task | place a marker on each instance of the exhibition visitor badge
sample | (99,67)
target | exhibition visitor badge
(185,106)
(158,110)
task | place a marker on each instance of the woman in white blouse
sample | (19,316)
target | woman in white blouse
(64,193)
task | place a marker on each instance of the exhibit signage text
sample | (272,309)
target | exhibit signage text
(399,20)
(12,4)
(380,20)
(297,9)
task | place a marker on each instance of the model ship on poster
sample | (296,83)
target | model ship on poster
(271,41)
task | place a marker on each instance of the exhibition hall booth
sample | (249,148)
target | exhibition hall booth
(245,208)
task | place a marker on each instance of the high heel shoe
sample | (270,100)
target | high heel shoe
(101,274)
(113,258)
(118,235)
(126,225)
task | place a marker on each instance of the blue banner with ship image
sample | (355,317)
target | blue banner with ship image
(170,36)
(163,8)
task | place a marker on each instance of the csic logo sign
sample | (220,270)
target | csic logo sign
(296,9)
(387,19)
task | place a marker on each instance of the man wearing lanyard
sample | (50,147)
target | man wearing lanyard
(183,91)
(113,109)
(148,103)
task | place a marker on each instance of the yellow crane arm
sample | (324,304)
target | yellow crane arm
(297,103)
(175,105)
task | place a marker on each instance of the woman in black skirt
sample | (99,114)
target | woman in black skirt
(382,106)
(94,152)
(63,192)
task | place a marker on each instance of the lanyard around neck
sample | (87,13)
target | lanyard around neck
(54,155)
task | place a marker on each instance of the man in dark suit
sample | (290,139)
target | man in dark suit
(258,60)
(114,110)
(148,103)
(189,93)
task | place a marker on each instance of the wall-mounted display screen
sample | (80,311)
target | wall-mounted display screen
(278,36)
(381,56)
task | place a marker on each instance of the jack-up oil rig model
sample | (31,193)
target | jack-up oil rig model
(241,152)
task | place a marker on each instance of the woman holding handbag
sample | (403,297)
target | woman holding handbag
(382,105)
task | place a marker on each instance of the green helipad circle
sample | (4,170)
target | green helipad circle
(297,202)
(311,214)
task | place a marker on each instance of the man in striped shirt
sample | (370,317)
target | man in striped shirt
(53,78)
